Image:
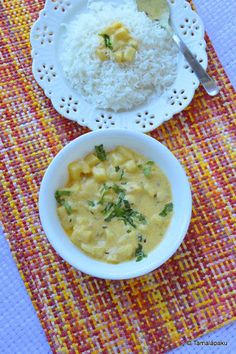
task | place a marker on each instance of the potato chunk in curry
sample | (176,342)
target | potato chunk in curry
(117,44)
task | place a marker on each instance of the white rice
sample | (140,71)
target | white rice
(109,85)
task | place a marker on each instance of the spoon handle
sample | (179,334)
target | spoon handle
(207,82)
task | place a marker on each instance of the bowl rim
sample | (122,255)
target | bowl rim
(55,242)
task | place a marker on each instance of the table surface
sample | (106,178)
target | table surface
(20,329)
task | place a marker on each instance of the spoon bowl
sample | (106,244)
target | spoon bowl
(159,10)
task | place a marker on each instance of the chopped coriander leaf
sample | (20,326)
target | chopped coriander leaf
(147,168)
(91,203)
(122,174)
(105,188)
(142,219)
(100,152)
(60,194)
(147,171)
(68,208)
(138,249)
(140,238)
(107,40)
(168,208)
(117,189)
(117,168)
(108,207)
(128,231)
(139,254)
(127,204)
(62,202)
(122,210)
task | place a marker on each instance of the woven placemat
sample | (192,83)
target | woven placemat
(191,294)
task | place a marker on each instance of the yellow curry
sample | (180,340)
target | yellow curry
(117,44)
(116,205)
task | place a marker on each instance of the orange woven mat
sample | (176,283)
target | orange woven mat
(191,294)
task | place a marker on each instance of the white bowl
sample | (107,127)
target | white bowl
(56,176)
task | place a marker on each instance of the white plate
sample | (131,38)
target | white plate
(45,39)
(56,177)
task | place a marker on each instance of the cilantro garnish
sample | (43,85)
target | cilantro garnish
(100,152)
(104,190)
(121,209)
(61,201)
(140,238)
(68,208)
(91,203)
(107,40)
(117,189)
(139,254)
(168,208)
(142,219)
(117,169)
(147,168)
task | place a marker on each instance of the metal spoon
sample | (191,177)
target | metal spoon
(160,10)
